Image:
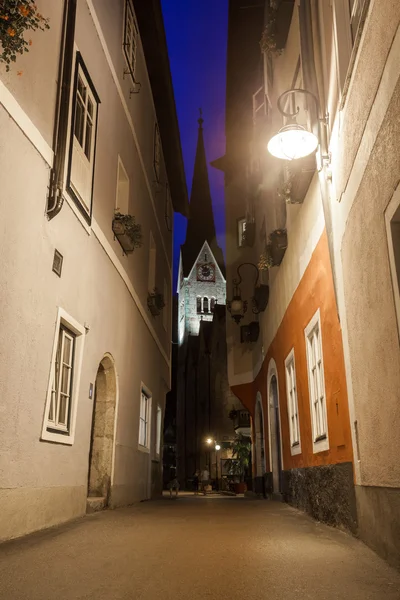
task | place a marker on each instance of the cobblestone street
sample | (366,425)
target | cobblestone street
(194,547)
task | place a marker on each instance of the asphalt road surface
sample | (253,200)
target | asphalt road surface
(195,547)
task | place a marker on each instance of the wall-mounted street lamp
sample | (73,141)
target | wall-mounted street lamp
(237,306)
(294,141)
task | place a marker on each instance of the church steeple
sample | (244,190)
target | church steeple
(201,225)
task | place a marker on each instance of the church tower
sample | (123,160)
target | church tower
(201,280)
(201,329)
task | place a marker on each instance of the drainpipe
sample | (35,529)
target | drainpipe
(55,197)
(310,83)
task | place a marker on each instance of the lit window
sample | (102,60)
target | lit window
(241,231)
(293,409)
(316,384)
(83,140)
(144,420)
(62,394)
(122,200)
(157,153)
(130,38)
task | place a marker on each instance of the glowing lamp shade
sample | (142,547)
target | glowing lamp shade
(236,305)
(292,142)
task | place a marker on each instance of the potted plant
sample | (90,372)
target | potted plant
(239,462)
(269,42)
(155,302)
(127,232)
(16,18)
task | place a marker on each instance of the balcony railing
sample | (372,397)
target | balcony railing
(241,422)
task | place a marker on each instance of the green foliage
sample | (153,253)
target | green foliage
(132,229)
(17,17)
(239,462)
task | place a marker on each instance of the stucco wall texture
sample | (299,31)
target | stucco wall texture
(315,291)
(371,317)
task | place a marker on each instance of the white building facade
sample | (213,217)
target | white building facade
(88,355)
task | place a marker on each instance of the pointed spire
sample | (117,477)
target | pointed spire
(201,225)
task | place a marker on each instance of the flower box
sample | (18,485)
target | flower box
(127,232)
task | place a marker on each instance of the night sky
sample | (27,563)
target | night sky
(197,38)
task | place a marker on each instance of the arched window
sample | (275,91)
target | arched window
(205,304)
(212,306)
(198,304)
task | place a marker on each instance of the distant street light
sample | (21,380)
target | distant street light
(218,447)
(209,441)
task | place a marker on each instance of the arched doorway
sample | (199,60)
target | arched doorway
(102,434)
(259,447)
(259,437)
(275,429)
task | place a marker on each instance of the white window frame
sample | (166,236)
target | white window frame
(77,158)
(130,43)
(346,48)
(241,228)
(50,431)
(390,211)
(123,186)
(159,416)
(292,404)
(319,421)
(145,419)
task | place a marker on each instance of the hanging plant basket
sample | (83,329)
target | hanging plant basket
(155,302)
(127,232)
(261,297)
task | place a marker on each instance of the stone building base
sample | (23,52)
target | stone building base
(378,510)
(324,492)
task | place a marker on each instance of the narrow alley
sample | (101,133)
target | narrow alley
(195,547)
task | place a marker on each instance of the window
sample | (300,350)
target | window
(152,264)
(62,395)
(144,420)
(83,140)
(122,200)
(392,216)
(316,384)
(205,304)
(293,409)
(130,38)
(241,224)
(157,153)
(166,307)
(349,17)
(213,302)
(158,430)
(199,305)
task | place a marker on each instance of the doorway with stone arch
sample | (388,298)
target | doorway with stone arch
(102,436)
(259,446)
(274,428)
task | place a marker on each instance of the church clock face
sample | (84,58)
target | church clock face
(206,272)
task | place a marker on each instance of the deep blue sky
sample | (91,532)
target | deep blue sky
(197,39)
